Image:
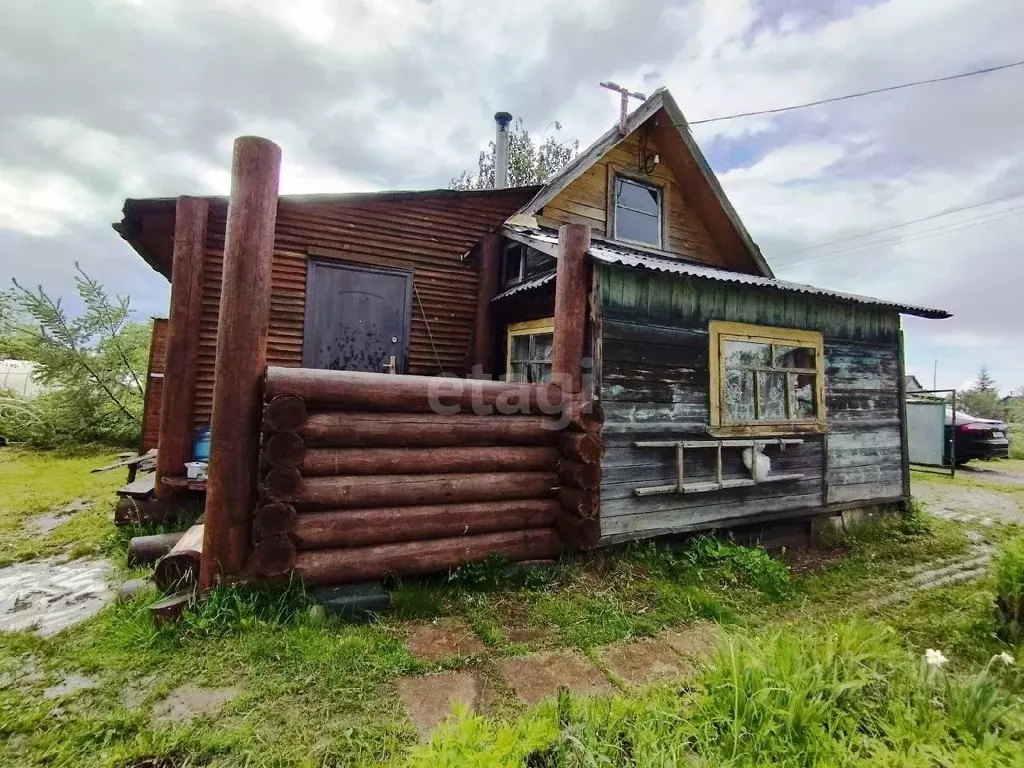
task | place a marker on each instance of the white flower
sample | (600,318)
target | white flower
(1004,657)
(934,658)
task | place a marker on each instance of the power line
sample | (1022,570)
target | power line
(947,229)
(856,95)
(945,212)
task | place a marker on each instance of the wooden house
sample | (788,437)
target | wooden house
(401,381)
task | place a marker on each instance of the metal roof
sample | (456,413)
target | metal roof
(527,285)
(608,253)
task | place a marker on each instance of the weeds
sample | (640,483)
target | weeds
(1008,572)
(794,698)
(231,609)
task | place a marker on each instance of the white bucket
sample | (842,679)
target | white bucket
(195,470)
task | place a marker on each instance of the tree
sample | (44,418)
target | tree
(93,365)
(527,163)
(982,399)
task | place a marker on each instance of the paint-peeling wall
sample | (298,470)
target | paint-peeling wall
(654,386)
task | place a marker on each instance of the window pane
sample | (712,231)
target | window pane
(519,371)
(794,357)
(542,346)
(511,265)
(521,347)
(639,227)
(540,373)
(801,394)
(772,394)
(747,354)
(738,395)
(538,263)
(637,197)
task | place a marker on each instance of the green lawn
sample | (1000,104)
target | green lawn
(319,692)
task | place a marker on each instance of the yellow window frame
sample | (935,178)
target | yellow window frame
(720,331)
(526,328)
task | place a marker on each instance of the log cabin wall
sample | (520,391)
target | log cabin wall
(425,233)
(363,475)
(654,385)
(586,201)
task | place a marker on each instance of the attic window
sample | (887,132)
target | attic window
(637,212)
(519,263)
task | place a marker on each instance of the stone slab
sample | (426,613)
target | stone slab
(697,642)
(539,675)
(190,701)
(71,683)
(429,699)
(51,595)
(643,662)
(445,637)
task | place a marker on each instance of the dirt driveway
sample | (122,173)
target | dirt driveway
(965,499)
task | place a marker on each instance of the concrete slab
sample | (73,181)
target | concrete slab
(71,683)
(643,662)
(445,637)
(539,675)
(50,595)
(47,521)
(190,701)
(697,642)
(429,699)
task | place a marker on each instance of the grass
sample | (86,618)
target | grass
(315,691)
(35,483)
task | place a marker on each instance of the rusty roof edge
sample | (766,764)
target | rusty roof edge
(622,257)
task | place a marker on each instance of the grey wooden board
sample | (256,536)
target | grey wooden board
(664,518)
(865,491)
(142,486)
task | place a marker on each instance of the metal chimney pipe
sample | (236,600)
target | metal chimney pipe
(501,122)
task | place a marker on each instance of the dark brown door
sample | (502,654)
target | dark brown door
(356,317)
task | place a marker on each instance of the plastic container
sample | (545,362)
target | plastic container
(196,470)
(201,444)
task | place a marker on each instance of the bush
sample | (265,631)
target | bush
(1016,435)
(1008,571)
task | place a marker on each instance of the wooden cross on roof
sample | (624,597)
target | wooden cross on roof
(625,94)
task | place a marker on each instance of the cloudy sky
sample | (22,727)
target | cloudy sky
(132,98)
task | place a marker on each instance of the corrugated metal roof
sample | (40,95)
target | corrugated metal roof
(607,253)
(527,285)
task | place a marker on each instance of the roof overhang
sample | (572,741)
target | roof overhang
(611,254)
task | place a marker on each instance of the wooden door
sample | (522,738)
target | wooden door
(356,317)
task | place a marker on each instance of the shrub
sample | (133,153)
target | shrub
(1008,571)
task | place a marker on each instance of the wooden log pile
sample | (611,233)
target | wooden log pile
(579,472)
(364,475)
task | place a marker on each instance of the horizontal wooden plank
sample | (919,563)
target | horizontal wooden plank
(865,492)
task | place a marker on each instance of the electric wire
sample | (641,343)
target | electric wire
(858,95)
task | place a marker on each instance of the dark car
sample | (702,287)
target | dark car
(976,438)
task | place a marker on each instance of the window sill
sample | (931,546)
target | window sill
(767,430)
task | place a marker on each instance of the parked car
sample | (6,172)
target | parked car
(976,438)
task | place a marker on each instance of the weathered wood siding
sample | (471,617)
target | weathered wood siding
(424,234)
(654,386)
(154,385)
(585,201)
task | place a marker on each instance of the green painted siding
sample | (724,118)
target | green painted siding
(690,302)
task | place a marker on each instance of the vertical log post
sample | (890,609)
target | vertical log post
(175,446)
(571,288)
(488,281)
(241,358)
(901,394)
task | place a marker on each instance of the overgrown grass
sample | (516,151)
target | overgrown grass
(315,691)
(1016,436)
(35,483)
(1008,574)
(847,695)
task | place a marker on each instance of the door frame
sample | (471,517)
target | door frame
(312,262)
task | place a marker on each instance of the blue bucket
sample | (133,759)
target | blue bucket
(201,444)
